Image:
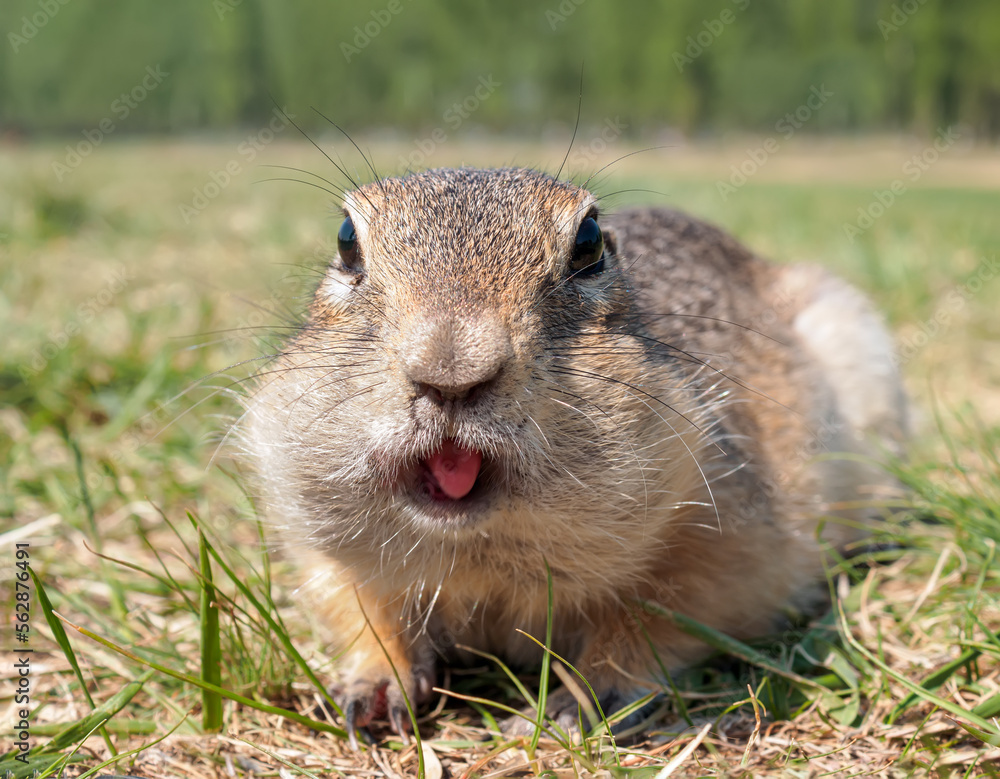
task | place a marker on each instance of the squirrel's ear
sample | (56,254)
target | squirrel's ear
(610,241)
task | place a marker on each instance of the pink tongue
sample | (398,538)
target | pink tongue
(455,469)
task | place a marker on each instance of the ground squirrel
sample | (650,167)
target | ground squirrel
(495,380)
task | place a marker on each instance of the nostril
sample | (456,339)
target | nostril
(429,391)
(473,393)
(440,394)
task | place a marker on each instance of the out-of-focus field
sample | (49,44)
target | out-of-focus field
(130,279)
(191,264)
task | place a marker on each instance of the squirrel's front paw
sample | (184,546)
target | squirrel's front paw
(374,693)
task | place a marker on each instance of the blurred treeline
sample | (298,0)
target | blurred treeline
(696,65)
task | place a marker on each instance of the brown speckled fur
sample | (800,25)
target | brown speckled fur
(650,432)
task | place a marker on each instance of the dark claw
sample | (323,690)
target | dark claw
(352,736)
(350,713)
(353,729)
(323,710)
(357,708)
(396,720)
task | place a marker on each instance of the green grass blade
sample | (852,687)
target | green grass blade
(167,581)
(135,751)
(993,739)
(130,727)
(72,753)
(43,757)
(284,761)
(543,681)
(488,719)
(278,630)
(39,765)
(926,695)
(67,649)
(117,592)
(105,711)
(421,768)
(727,644)
(991,706)
(988,708)
(675,693)
(211,651)
(511,676)
(194,680)
(485,702)
(597,703)
(930,683)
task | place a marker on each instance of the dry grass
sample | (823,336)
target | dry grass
(158,304)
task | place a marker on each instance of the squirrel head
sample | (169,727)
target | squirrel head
(471,361)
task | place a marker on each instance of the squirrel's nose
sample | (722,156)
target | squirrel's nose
(455,358)
(440,395)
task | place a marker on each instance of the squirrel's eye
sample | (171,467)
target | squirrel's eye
(588,253)
(347,245)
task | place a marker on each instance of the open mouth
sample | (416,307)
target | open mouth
(450,473)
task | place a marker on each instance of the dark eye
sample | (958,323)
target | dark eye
(588,253)
(347,245)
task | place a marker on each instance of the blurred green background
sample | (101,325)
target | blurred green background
(149,263)
(134,135)
(695,65)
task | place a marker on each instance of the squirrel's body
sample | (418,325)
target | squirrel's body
(471,401)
